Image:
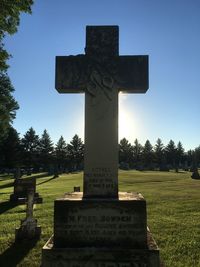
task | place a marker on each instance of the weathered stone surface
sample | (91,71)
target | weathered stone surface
(28,230)
(101,153)
(101,257)
(102,40)
(106,222)
(73,74)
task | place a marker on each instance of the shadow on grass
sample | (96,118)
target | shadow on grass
(4,177)
(13,255)
(7,205)
(45,174)
(46,181)
(35,176)
(6,185)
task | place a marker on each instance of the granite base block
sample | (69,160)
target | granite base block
(24,233)
(80,222)
(103,232)
(100,257)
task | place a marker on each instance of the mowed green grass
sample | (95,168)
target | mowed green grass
(173,208)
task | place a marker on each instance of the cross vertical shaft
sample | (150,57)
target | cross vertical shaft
(101,115)
(101,146)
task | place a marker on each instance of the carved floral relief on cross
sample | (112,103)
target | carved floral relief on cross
(98,69)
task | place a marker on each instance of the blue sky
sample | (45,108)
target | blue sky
(167,31)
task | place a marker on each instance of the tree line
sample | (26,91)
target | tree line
(40,154)
(36,152)
(158,156)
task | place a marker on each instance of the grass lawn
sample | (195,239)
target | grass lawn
(173,206)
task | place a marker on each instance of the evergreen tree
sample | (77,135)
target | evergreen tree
(137,152)
(46,151)
(61,154)
(30,144)
(179,155)
(190,158)
(125,154)
(197,151)
(147,155)
(159,154)
(195,158)
(170,151)
(75,151)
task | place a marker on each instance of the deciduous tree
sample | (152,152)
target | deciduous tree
(8,105)
(9,22)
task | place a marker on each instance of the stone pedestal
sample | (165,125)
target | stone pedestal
(28,230)
(100,257)
(100,233)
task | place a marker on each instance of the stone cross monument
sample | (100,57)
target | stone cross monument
(101,227)
(101,73)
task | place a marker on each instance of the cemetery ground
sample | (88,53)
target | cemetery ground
(173,206)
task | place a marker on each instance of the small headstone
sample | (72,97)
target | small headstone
(193,167)
(28,229)
(195,174)
(21,187)
(17,174)
(29,172)
(77,189)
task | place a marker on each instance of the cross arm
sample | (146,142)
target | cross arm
(132,74)
(129,73)
(71,74)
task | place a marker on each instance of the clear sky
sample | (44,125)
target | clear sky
(166,30)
